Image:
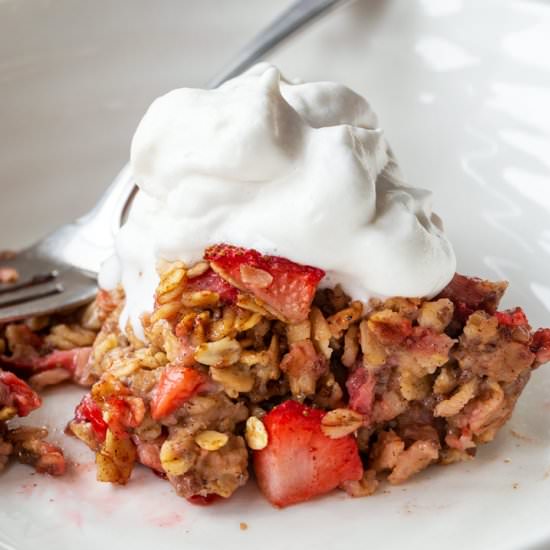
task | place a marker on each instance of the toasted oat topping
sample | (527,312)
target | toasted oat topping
(341,422)
(210,440)
(256,434)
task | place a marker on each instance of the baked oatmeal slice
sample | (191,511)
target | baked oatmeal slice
(227,358)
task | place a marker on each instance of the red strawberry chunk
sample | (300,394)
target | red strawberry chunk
(512,317)
(124,412)
(471,293)
(300,462)
(175,386)
(18,394)
(285,288)
(88,411)
(361,385)
(540,345)
(213,282)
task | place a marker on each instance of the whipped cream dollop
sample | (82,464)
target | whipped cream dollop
(299,170)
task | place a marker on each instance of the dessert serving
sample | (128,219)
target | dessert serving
(281,304)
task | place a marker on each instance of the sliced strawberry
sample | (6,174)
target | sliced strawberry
(18,394)
(512,317)
(175,386)
(88,411)
(300,462)
(210,280)
(285,288)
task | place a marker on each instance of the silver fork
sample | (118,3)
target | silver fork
(60,271)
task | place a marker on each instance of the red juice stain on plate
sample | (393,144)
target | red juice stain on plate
(27,489)
(167,520)
(82,468)
(74,517)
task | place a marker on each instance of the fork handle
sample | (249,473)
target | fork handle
(89,240)
(288,22)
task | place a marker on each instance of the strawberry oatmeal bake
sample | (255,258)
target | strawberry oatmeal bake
(281,305)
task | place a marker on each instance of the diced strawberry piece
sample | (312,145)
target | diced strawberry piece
(300,462)
(540,345)
(88,411)
(111,399)
(18,394)
(210,280)
(175,386)
(512,317)
(471,293)
(360,385)
(124,412)
(285,288)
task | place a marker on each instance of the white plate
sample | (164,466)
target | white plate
(462,89)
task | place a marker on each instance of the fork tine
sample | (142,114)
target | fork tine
(6,288)
(76,289)
(27,293)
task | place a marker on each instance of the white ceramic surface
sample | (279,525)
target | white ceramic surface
(463,90)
